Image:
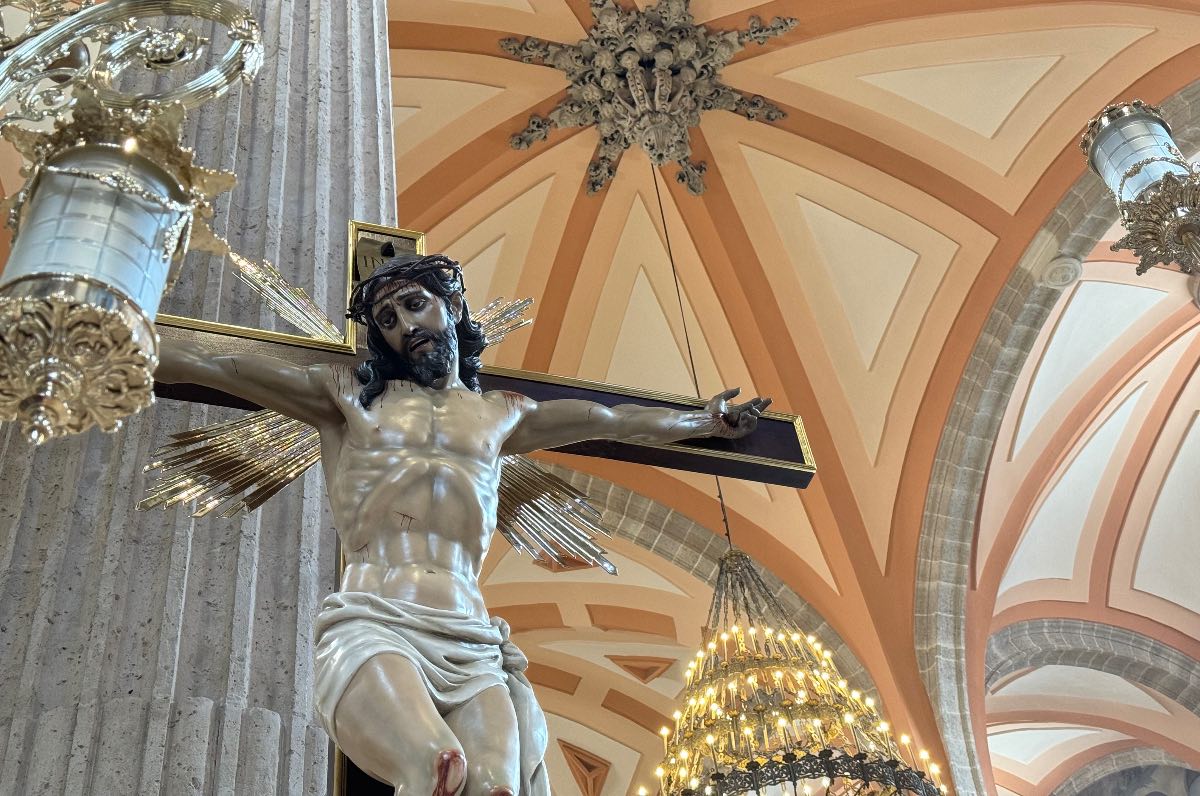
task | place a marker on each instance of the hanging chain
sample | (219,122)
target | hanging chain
(687,339)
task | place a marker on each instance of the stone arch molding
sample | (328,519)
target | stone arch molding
(1114,763)
(1072,230)
(696,550)
(1114,650)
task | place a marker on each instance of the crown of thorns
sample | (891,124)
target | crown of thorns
(391,276)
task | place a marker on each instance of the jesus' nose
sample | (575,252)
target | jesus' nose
(406,325)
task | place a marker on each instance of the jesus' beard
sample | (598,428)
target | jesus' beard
(427,367)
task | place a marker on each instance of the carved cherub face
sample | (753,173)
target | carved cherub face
(418,326)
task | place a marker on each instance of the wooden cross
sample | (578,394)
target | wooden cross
(776,453)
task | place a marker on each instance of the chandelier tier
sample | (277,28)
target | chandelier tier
(765,706)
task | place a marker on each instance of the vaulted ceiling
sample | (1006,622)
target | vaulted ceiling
(842,261)
(1087,531)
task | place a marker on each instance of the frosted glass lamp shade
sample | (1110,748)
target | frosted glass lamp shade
(1157,191)
(1131,148)
(98,235)
(75,225)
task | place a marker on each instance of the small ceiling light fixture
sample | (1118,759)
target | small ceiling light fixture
(1157,192)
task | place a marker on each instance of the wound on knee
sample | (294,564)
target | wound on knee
(503,790)
(451,772)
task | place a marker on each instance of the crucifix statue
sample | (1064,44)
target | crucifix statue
(415,682)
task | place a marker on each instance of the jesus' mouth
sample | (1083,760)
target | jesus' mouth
(425,355)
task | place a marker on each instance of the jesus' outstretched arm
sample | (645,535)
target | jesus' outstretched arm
(550,424)
(290,389)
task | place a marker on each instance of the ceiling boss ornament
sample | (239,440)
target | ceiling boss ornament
(644,76)
(112,198)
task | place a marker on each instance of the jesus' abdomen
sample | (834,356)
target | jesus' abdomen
(413,486)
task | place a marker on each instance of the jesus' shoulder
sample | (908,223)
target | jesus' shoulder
(412,420)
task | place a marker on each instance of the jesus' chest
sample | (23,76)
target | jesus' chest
(407,418)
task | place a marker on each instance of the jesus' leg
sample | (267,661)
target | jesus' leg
(487,729)
(387,724)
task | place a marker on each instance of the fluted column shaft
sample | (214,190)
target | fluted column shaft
(156,654)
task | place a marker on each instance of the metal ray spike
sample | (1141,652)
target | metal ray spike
(499,319)
(288,301)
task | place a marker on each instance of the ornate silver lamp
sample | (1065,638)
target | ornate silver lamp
(1156,190)
(112,199)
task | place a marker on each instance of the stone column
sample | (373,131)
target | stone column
(157,654)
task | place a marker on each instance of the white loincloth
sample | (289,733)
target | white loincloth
(458,656)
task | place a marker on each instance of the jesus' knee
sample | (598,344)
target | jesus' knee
(450,772)
(488,780)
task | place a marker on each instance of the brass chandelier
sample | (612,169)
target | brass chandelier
(765,708)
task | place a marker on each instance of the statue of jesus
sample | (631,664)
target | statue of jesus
(415,682)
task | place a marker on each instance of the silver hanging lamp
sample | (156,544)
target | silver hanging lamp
(1129,145)
(112,199)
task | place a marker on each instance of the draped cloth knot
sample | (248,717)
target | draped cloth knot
(457,655)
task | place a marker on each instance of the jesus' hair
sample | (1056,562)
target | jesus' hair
(442,277)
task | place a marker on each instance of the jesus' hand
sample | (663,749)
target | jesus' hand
(734,421)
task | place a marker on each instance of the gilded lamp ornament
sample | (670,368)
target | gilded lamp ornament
(1156,190)
(112,199)
(765,707)
(644,76)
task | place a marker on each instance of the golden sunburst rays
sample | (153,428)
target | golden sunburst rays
(287,300)
(233,466)
(540,513)
(500,318)
(238,465)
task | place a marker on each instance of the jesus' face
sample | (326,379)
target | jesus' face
(418,326)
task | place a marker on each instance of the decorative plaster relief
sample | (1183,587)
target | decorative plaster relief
(643,76)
